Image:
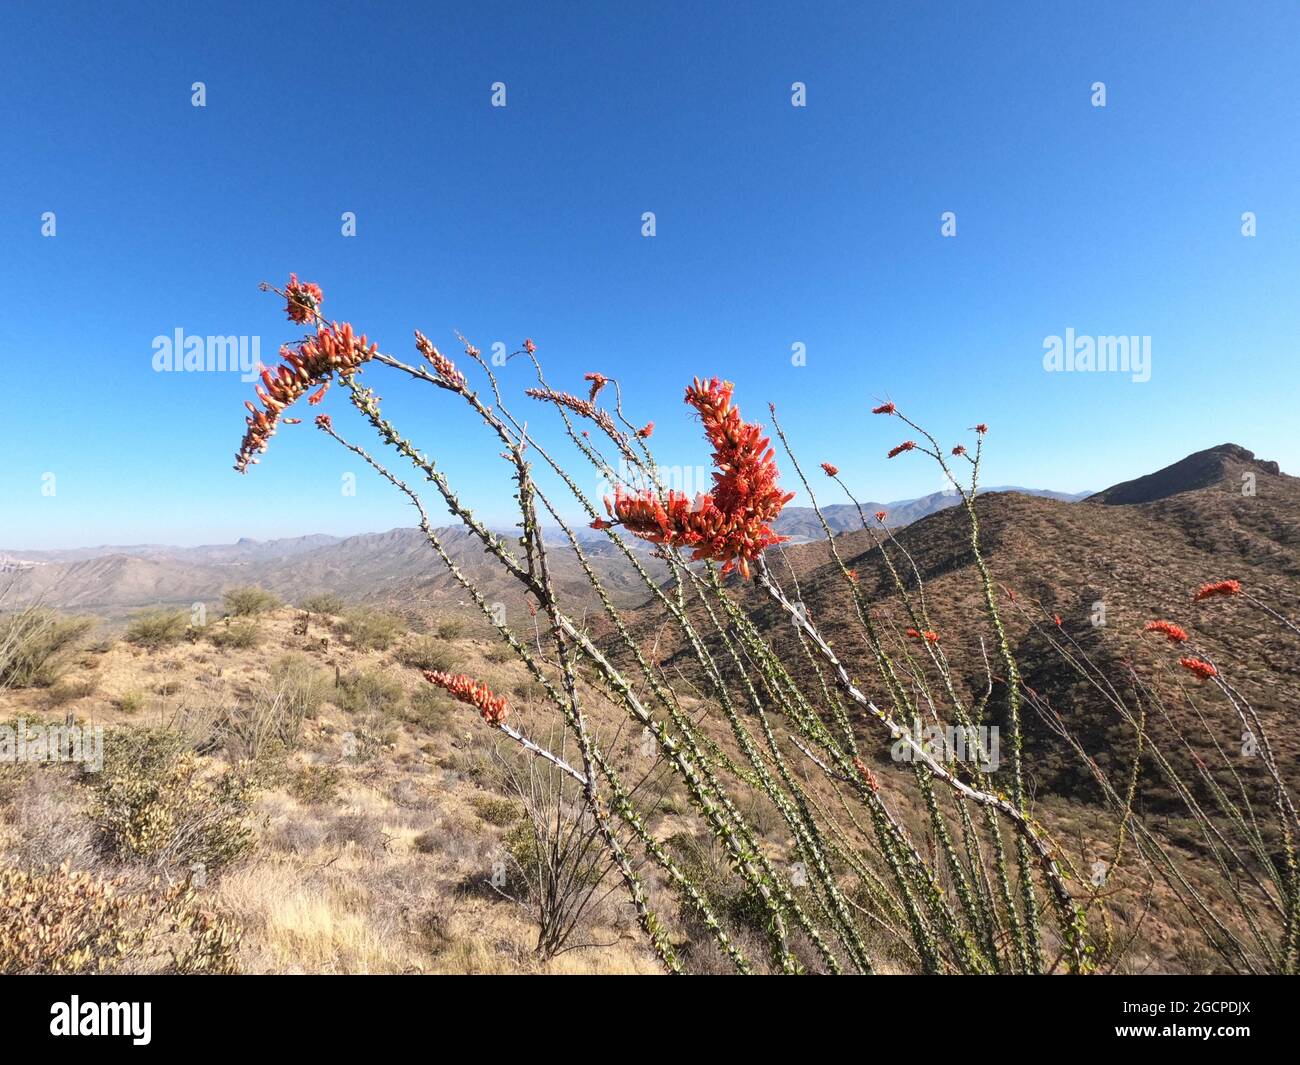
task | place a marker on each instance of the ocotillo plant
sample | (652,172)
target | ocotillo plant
(941,867)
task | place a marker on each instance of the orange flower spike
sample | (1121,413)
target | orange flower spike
(1198,667)
(472,692)
(1217,588)
(1173,633)
(884,408)
(529,346)
(830,470)
(906,445)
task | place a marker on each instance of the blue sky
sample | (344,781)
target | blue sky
(776,225)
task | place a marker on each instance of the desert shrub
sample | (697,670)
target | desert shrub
(315,785)
(324,603)
(495,810)
(302,681)
(451,628)
(35,646)
(154,801)
(59,921)
(500,653)
(371,630)
(69,691)
(239,633)
(529,689)
(356,828)
(249,600)
(372,692)
(557,865)
(425,652)
(268,723)
(431,709)
(129,702)
(153,629)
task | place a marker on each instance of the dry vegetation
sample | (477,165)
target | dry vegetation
(349,827)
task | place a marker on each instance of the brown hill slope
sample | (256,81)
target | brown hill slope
(1117,565)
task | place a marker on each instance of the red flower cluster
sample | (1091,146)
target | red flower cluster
(884,408)
(598,381)
(646,431)
(831,471)
(731,524)
(960,449)
(929,636)
(1209,591)
(1201,668)
(1173,633)
(304,299)
(529,346)
(310,365)
(471,691)
(880,516)
(981,428)
(445,367)
(866,774)
(906,445)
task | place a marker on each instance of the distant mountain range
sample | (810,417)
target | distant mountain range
(801,524)
(397,566)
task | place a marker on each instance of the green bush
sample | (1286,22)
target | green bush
(315,785)
(249,600)
(131,702)
(238,633)
(301,682)
(372,630)
(425,652)
(372,693)
(154,802)
(57,921)
(433,709)
(451,628)
(324,604)
(35,645)
(153,629)
(495,810)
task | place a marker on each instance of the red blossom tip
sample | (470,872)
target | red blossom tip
(1215,588)
(473,692)
(1173,633)
(303,299)
(1199,667)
